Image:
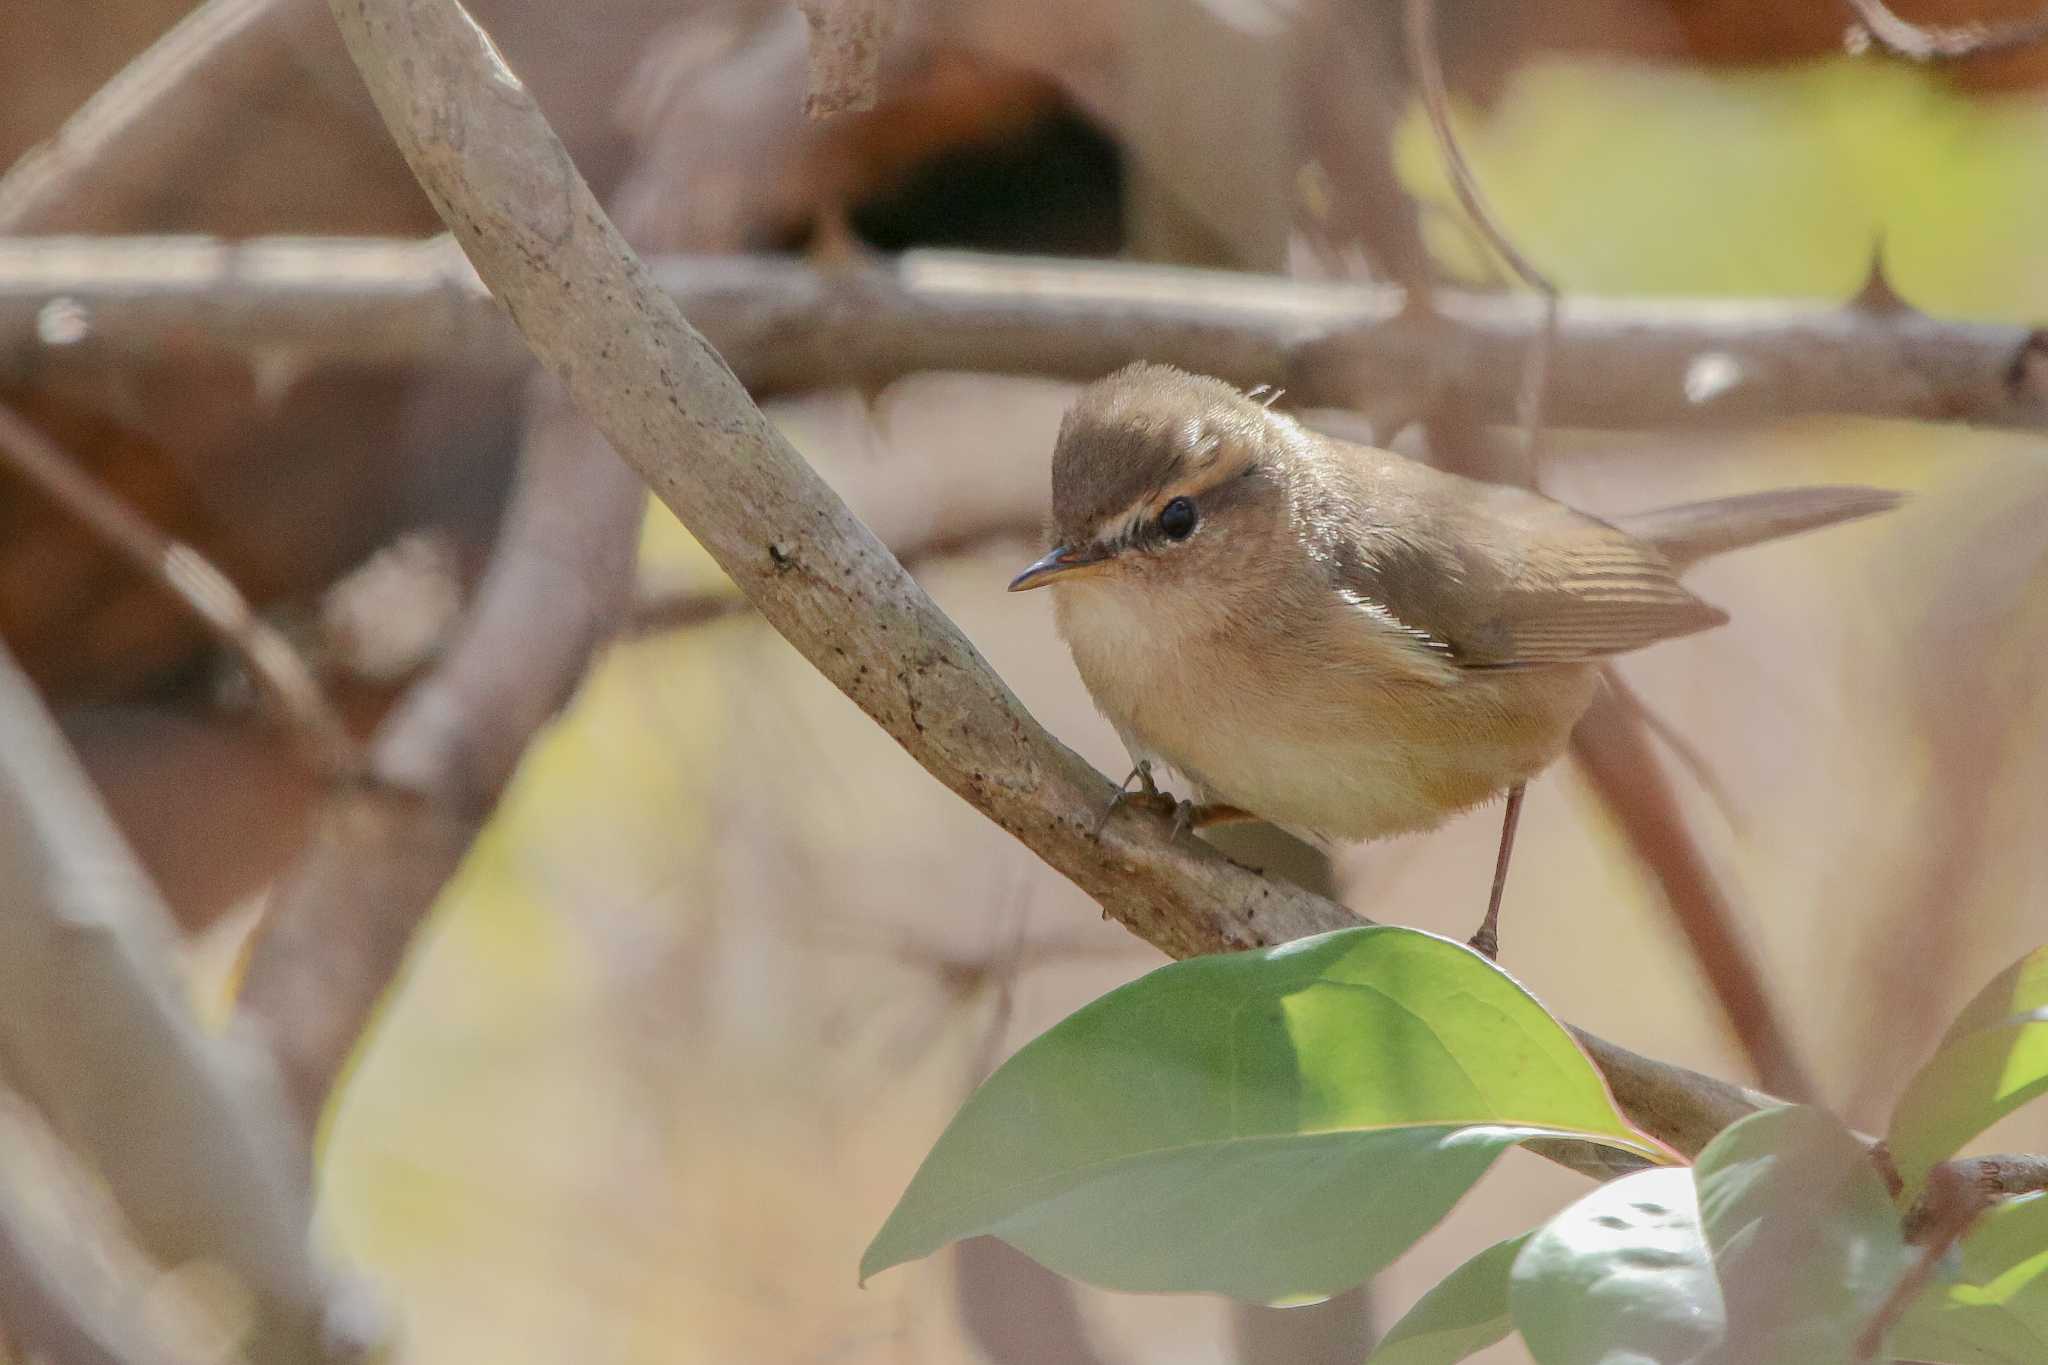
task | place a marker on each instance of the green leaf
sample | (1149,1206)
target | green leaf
(1622,1277)
(1774,1250)
(1995,1309)
(1467,1311)
(1275,1125)
(1993,1059)
(1805,1239)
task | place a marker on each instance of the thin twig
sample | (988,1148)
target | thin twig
(1950,1205)
(1420,16)
(281,675)
(847,38)
(1694,760)
(1939,43)
(1610,741)
(182,85)
(1615,754)
(187,1130)
(678,415)
(1621,364)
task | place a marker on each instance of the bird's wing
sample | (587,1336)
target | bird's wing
(1496,577)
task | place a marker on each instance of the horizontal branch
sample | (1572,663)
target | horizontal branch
(783,325)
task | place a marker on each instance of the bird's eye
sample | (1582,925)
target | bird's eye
(1177,519)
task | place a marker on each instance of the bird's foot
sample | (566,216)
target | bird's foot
(1148,792)
(1186,815)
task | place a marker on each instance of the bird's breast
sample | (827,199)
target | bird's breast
(1356,737)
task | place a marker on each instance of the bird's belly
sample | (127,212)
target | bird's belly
(1347,754)
(1392,761)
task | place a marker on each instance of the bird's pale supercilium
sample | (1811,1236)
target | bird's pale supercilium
(1340,640)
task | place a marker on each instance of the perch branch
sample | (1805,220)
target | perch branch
(184,83)
(672,409)
(847,38)
(782,326)
(188,1131)
(339,925)
(1940,43)
(281,675)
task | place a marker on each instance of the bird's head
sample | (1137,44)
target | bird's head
(1162,478)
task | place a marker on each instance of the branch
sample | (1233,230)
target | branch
(339,924)
(187,1130)
(186,82)
(1939,43)
(672,409)
(781,325)
(847,38)
(280,674)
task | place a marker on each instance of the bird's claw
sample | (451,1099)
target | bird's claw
(1147,792)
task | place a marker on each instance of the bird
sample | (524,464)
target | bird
(1336,639)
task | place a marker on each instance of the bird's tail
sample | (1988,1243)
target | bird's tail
(1693,531)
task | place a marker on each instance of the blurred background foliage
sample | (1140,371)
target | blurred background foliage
(725,960)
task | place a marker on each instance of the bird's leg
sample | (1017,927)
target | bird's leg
(1487,940)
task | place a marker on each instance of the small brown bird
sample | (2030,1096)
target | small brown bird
(1339,640)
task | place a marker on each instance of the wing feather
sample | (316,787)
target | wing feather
(1502,578)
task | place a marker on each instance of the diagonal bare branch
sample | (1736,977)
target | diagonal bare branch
(39,1302)
(188,1131)
(71,1285)
(1940,42)
(182,82)
(284,678)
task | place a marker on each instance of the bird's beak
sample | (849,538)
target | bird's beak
(1061,562)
